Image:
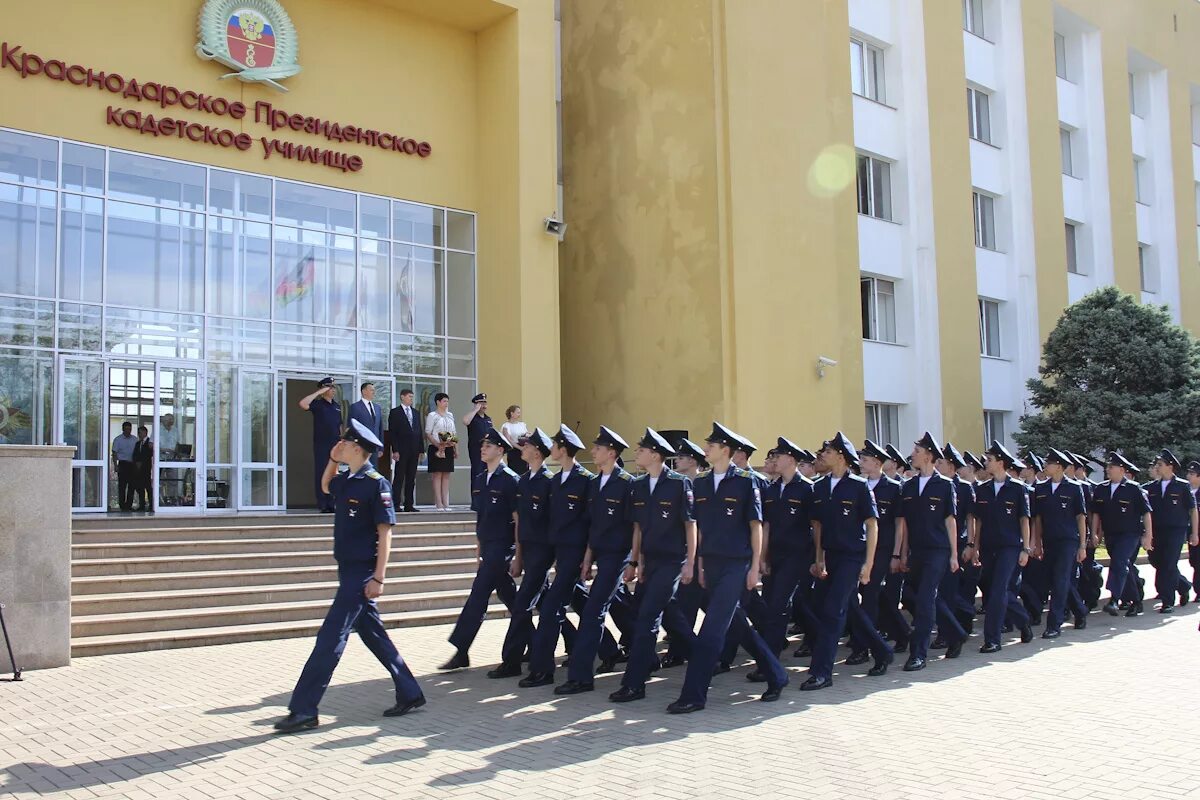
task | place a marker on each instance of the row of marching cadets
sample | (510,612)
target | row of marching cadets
(842,540)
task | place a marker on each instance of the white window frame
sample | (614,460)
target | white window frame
(883,423)
(868,70)
(1143,189)
(879,319)
(1072,236)
(975,17)
(991,421)
(984,211)
(1147,269)
(990,333)
(1062,67)
(1066,147)
(1135,96)
(879,172)
(979,115)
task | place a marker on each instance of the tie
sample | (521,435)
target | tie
(408,413)
(370,410)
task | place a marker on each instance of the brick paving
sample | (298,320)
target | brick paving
(1107,712)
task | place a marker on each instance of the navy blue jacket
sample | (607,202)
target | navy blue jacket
(1172,510)
(724,513)
(362,501)
(1120,512)
(964,506)
(327,426)
(1000,515)
(533,506)
(662,514)
(887,503)
(1058,509)
(610,513)
(925,512)
(787,507)
(843,513)
(494,501)
(569,509)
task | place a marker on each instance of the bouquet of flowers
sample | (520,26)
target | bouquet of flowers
(449,442)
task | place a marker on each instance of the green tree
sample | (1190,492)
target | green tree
(1116,375)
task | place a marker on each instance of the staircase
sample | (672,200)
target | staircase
(153,583)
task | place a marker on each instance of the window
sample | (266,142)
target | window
(1141,181)
(1060,56)
(985,221)
(874,187)
(1135,98)
(866,70)
(883,423)
(1068,157)
(973,17)
(1147,269)
(989,328)
(993,427)
(878,309)
(979,115)
(1072,249)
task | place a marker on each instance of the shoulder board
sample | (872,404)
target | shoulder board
(854,477)
(625,476)
(585,472)
(1020,483)
(508,470)
(672,475)
(373,474)
(704,473)
(739,472)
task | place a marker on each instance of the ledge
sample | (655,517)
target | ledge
(36,451)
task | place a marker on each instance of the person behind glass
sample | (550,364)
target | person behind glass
(122,456)
(406,441)
(143,460)
(478,423)
(439,427)
(368,412)
(327,427)
(362,538)
(494,501)
(168,446)
(515,431)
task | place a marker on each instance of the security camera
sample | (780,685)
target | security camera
(555,227)
(822,363)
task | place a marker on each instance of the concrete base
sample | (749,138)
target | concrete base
(35,554)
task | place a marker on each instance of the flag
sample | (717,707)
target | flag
(299,283)
(404,288)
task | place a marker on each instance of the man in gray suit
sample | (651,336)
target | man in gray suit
(368,413)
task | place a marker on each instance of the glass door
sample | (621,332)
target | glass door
(79,422)
(178,431)
(257,463)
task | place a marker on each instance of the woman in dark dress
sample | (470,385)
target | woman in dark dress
(442,437)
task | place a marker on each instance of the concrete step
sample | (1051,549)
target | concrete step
(324,571)
(244,561)
(220,547)
(86,605)
(94,522)
(228,634)
(242,531)
(254,613)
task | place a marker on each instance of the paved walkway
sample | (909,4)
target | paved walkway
(1109,712)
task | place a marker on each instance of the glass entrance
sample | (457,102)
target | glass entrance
(80,396)
(177,431)
(258,466)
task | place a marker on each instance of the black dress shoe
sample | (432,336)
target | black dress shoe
(1026,633)
(505,671)
(803,651)
(990,648)
(772,693)
(536,679)
(410,509)
(1183,598)
(901,646)
(859,657)
(680,707)
(1051,634)
(938,643)
(1110,608)
(295,722)
(627,695)
(402,708)
(756,677)
(795,629)
(459,661)
(574,687)
(1080,623)
(1166,609)
(881,666)
(670,661)
(955,650)
(720,669)
(914,665)
(1135,609)
(1035,619)
(814,683)
(608,665)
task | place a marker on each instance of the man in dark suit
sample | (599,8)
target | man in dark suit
(405,430)
(368,413)
(143,465)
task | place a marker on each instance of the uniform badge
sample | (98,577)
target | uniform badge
(610,512)
(729,512)
(354,512)
(666,513)
(386,499)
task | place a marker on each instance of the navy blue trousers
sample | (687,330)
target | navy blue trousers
(351,611)
(1168,546)
(1061,568)
(968,584)
(685,608)
(609,567)
(779,590)
(491,576)
(1122,551)
(1194,560)
(927,576)
(660,580)
(563,593)
(725,580)
(320,459)
(880,605)
(841,604)
(1003,578)
(536,560)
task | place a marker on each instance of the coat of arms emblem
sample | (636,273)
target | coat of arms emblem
(255,38)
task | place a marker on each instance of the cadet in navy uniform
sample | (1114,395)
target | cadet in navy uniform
(1193,476)
(1002,543)
(478,424)
(362,535)
(953,466)
(928,549)
(1120,511)
(968,578)
(1059,537)
(729,522)
(689,461)
(664,553)
(327,427)
(569,537)
(787,544)
(535,554)
(494,501)
(845,533)
(1175,522)
(883,609)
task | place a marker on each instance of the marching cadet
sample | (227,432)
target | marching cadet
(534,555)
(610,544)
(807,465)
(1193,477)
(1121,517)
(787,546)
(568,536)
(928,549)
(729,519)
(882,606)
(362,538)
(664,553)
(1002,541)
(752,603)
(951,465)
(1034,585)
(1060,539)
(689,461)
(969,568)
(844,535)
(805,605)
(494,501)
(1175,522)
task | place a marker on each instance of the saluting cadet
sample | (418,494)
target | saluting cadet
(787,546)
(568,536)
(362,536)
(1002,540)
(1060,539)
(882,607)
(1121,517)
(534,555)
(689,461)
(327,427)
(494,501)
(729,519)
(845,534)
(664,553)
(610,543)
(928,549)
(1173,509)
(1193,476)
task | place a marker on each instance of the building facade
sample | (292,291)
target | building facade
(193,254)
(974,166)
